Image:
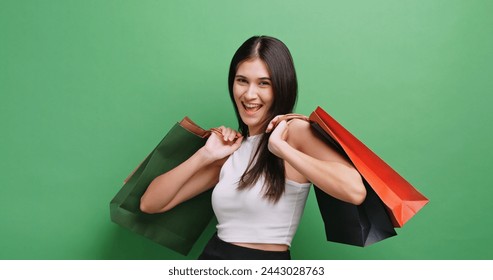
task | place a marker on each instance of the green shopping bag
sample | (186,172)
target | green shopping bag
(180,227)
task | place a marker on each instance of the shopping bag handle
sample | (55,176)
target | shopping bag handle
(189,125)
(288,118)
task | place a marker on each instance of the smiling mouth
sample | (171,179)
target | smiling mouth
(251,108)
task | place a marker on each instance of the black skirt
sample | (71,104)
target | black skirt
(218,249)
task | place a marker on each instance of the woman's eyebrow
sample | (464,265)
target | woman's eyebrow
(243,77)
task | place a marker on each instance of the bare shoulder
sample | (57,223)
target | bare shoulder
(304,138)
(300,133)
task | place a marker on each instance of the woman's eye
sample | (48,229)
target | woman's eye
(241,81)
(264,84)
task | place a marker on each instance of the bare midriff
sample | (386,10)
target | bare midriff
(265,247)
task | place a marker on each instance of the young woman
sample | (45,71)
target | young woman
(261,175)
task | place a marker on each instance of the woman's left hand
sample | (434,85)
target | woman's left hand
(278,138)
(288,117)
(279,128)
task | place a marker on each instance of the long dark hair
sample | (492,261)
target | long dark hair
(280,65)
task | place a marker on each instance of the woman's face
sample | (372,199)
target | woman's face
(253,94)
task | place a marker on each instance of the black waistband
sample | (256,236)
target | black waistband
(218,249)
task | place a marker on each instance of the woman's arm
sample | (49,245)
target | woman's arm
(197,174)
(309,155)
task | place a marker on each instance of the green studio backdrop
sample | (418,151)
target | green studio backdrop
(88,88)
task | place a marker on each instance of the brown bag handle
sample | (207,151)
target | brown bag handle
(289,117)
(187,124)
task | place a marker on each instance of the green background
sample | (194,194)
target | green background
(88,88)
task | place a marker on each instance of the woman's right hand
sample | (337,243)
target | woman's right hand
(197,174)
(222,143)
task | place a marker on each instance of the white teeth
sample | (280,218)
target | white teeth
(251,106)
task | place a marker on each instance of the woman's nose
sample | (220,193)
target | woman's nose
(251,92)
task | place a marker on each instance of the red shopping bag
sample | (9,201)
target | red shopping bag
(401,199)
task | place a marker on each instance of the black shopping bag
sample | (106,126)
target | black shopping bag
(359,225)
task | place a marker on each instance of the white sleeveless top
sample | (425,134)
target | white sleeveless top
(245,216)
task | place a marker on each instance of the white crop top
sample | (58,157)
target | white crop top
(245,215)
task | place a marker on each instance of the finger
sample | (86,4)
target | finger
(282,124)
(273,123)
(234,135)
(279,127)
(226,132)
(231,135)
(237,143)
(217,132)
(289,117)
(284,134)
(220,130)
